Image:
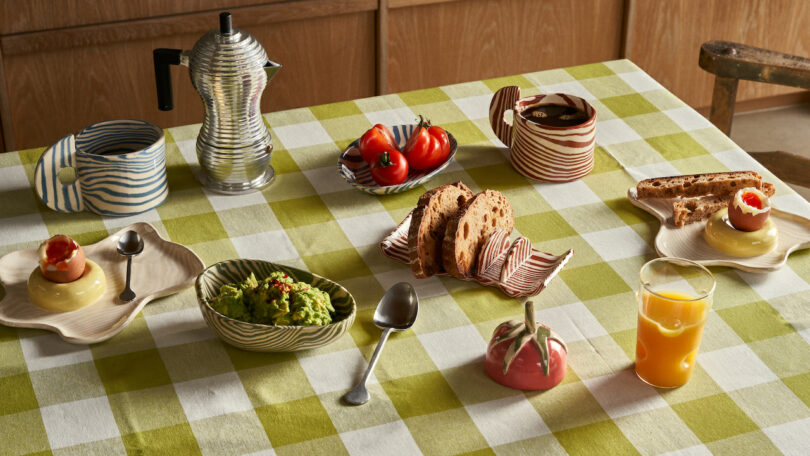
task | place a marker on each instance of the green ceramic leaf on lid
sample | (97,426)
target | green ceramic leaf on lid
(525,332)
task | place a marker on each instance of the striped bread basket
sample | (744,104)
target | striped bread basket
(354,170)
(120,167)
(518,270)
(270,338)
(553,154)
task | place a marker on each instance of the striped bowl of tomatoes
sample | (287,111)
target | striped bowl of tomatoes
(388,160)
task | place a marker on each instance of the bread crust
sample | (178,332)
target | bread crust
(470,227)
(428,223)
(718,184)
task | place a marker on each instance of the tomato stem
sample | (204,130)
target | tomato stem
(423,123)
(385,160)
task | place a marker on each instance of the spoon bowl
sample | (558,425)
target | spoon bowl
(396,311)
(397,308)
(129,245)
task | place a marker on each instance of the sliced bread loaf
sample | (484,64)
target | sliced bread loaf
(470,227)
(428,223)
(718,184)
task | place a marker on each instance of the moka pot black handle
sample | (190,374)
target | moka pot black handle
(163,78)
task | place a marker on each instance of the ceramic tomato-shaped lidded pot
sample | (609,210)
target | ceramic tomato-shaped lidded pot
(526,356)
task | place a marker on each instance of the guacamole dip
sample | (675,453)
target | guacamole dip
(276,300)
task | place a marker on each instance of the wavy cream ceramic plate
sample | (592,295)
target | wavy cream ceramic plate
(162,269)
(688,242)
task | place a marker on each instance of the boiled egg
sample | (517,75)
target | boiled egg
(61,259)
(749,209)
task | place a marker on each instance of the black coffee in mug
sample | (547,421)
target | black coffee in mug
(553,115)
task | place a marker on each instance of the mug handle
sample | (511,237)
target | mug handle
(503,100)
(56,195)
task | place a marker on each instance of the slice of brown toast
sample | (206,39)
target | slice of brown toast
(428,223)
(695,209)
(718,184)
(469,228)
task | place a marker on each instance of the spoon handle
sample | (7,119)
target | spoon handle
(375,355)
(359,394)
(127,295)
(129,271)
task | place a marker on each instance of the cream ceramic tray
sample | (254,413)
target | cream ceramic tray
(515,268)
(688,242)
(162,269)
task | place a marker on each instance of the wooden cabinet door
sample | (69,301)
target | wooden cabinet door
(56,88)
(444,43)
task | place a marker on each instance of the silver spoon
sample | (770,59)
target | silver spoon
(396,312)
(129,245)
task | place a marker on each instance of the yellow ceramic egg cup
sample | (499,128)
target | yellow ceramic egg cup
(722,236)
(64,297)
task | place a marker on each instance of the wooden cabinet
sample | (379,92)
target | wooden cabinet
(18,16)
(445,43)
(53,93)
(67,63)
(58,81)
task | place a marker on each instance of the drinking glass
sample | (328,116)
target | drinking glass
(674,299)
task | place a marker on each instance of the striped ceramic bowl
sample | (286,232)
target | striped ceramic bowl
(356,171)
(269,338)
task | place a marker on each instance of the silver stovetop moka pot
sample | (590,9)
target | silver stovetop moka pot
(229,69)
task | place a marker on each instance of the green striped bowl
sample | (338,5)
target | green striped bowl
(269,338)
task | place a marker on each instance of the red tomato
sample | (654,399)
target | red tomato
(376,141)
(440,135)
(422,149)
(391,168)
(527,370)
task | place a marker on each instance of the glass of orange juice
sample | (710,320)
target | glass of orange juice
(674,297)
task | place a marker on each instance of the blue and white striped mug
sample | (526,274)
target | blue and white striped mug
(120,169)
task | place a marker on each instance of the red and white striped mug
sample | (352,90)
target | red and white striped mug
(543,152)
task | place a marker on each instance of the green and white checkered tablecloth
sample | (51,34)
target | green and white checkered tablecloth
(167,385)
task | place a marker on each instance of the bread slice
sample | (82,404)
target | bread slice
(470,227)
(718,184)
(695,209)
(428,223)
(690,210)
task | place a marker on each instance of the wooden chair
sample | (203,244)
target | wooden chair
(730,62)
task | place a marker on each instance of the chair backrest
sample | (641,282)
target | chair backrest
(730,62)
